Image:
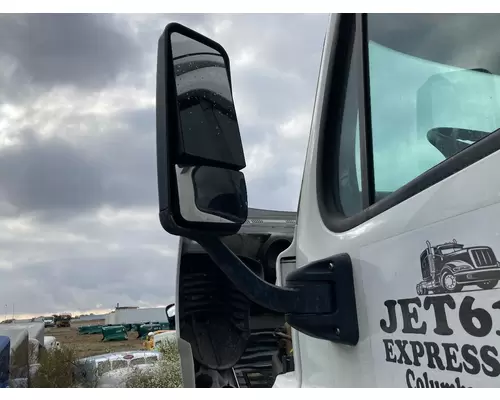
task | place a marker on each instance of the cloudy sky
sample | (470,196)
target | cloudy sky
(78,197)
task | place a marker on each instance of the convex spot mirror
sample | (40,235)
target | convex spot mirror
(199,150)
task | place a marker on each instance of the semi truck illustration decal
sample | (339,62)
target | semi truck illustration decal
(448,267)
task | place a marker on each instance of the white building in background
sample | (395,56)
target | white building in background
(95,317)
(129,315)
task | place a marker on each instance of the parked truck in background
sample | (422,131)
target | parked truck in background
(49,322)
(62,320)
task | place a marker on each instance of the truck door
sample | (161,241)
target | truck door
(402,171)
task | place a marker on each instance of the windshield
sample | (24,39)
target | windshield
(449,250)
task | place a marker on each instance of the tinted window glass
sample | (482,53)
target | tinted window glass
(434,83)
(433,90)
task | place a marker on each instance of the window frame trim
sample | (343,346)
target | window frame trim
(365,114)
(353,26)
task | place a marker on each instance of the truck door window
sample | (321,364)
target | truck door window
(433,85)
(422,84)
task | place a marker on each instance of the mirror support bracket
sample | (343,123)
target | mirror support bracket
(318,299)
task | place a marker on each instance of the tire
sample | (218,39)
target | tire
(486,285)
(449,283)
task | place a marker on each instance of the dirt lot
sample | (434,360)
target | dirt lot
(89,345)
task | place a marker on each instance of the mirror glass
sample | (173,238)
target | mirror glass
(207,116)
(221,192)
(171,312)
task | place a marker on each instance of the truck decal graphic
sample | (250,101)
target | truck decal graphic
(449,267)
(440,338)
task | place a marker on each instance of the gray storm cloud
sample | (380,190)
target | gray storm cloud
(78,200)
(85,50)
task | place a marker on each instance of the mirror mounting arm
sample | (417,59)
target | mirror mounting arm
(318,299)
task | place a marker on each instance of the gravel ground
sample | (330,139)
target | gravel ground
(89,345)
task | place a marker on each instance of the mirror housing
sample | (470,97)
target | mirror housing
(202,195)
(199,151)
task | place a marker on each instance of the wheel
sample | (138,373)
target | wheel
(488,284)
(449,282)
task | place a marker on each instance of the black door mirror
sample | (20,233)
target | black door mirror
(199,151)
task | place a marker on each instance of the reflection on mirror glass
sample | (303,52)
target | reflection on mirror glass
(429,72)
(171,312)
(207,115)
(464,99)
(221,192)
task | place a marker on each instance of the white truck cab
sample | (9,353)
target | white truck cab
(392,274)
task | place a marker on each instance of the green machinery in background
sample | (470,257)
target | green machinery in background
(119,332)
(90,329)
(114,333)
